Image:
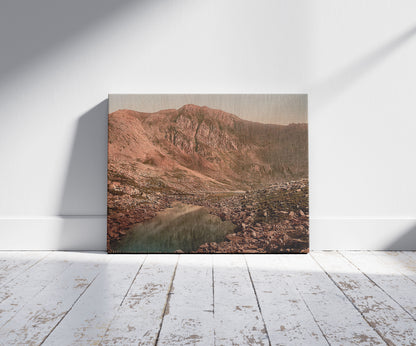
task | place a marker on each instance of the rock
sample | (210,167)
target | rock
(292,214)
(301,213)
(230,236)
(179,251)
(265,213)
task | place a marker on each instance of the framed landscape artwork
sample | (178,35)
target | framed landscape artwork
(207,173)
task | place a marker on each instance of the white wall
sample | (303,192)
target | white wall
(60,59)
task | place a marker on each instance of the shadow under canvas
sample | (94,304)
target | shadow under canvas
(83,203)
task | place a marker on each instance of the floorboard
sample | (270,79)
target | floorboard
(92,314)
(403,262)
(338,319)
(238,320)
(336,298)
(139,318)
(287,317)
(14,263)
(189,315)
(386,316)
(15,294)
(38,317)
(386,276)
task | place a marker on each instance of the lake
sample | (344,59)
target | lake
(183,227)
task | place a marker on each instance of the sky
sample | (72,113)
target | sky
(265,108)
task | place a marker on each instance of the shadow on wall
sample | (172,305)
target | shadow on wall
(407,242)
(324,92)
(83,203)
(336,84)
(25,27)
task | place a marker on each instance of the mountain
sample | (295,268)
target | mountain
(199,149)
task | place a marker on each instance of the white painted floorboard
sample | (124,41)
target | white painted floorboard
(140,315)
(189,315)
(385,315)
(398,287)
(12,264)
(92,314)
(399,262)
(287,317)
(336,298)
(237,316)
(15,294)
(338,319)
(39,316)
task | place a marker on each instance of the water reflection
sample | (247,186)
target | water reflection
(183,227)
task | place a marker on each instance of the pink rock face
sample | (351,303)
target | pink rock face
(211,147)
(196,150)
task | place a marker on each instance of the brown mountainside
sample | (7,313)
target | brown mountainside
(201,149)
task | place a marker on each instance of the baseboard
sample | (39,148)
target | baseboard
(89,233)
(363,234)
(53,233)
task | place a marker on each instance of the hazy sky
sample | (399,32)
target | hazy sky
(265,108)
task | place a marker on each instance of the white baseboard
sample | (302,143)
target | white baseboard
(89,233)
(54,233)
(363,234)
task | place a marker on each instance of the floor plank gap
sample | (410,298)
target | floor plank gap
(66,313)
(350,300)
(257,300)
(383,314)
(124,297)
(134,279)
(167,301)
(313,316)
(375,284)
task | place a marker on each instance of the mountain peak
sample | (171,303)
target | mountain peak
(191,107)
(207,111)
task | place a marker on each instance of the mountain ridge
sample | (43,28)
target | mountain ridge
(197,147)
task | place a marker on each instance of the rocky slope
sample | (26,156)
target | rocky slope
(197,148)
(154,159)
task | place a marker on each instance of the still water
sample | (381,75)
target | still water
(183,227)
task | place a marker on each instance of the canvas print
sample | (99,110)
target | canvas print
(208,173)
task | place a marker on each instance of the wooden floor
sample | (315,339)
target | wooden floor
(340,298)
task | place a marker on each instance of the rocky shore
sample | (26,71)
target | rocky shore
(273,219)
